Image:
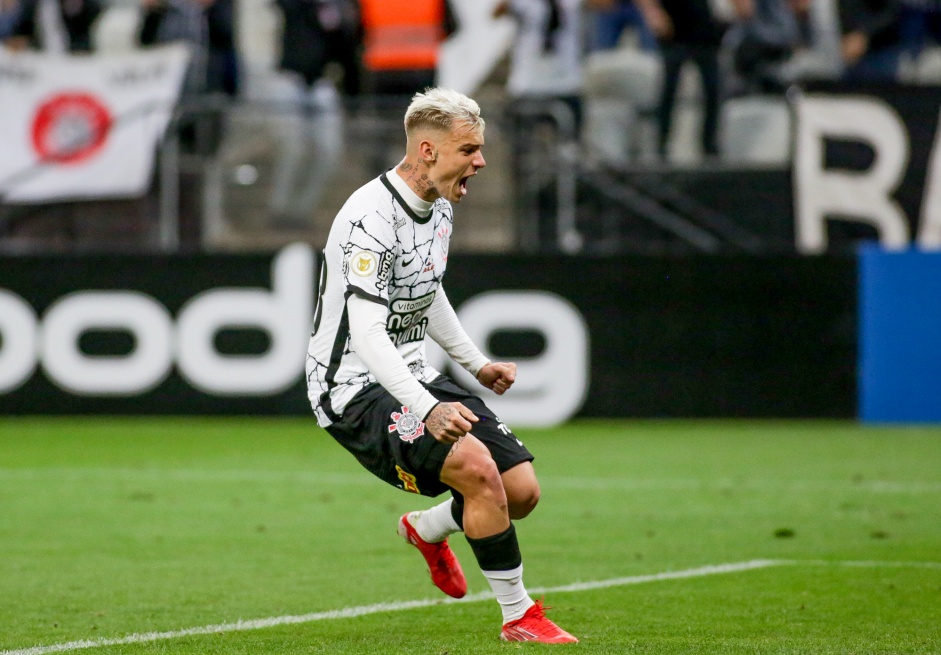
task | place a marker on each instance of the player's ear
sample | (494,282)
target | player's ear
(427,151)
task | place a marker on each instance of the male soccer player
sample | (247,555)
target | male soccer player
(372,388)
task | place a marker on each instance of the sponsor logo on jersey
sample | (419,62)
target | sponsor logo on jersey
(407,424)
(408,480)
(363,263)
(407,305)
(385,270)
(407,322)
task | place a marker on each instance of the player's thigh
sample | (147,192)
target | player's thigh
(470,470)
(505,447)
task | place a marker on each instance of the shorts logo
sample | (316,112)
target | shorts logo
(408,425)
(363,263)
(408,480)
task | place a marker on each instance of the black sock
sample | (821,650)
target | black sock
(457,509)
(499,552)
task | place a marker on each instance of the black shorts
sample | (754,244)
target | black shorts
(394,446)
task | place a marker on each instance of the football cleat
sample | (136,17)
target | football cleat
(534,626)
(442,563)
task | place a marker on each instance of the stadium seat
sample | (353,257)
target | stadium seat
(755,130)
(622,88)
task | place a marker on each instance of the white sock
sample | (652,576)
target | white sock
(435,524)
(511,594)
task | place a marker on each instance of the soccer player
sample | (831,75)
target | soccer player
(373,390)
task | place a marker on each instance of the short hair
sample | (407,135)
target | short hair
(440,108)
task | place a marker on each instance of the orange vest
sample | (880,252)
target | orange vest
(402,34)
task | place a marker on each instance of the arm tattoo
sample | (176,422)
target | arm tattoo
(436,420)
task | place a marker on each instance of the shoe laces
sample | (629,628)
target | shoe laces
(535,613)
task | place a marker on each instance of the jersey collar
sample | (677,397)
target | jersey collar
(392,182)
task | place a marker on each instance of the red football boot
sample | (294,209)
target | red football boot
(534,626)
(442,563)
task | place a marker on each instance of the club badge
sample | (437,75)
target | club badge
(408,425)
(445,235)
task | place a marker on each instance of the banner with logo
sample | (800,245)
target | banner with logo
(592,336)
(75,127)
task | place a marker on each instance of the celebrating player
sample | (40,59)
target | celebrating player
(373,390)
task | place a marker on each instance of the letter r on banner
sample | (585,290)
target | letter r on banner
(864,196)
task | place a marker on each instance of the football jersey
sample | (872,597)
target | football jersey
(381,250)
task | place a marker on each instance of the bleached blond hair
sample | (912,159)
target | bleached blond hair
(440,108)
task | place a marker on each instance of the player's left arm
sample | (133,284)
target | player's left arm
(446,330)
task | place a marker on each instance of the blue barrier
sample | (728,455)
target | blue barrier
(899,336)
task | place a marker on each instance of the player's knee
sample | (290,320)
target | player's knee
(482,474)
(471,470)
(523,502)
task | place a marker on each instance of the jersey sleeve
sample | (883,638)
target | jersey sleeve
(446,330)
(368,256)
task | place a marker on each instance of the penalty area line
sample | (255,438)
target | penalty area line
(363,610)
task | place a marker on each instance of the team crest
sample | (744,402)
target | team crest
(407,424)
(445,235)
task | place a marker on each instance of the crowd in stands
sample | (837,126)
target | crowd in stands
(764,43)
(335,50)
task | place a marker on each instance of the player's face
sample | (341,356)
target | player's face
(459,158)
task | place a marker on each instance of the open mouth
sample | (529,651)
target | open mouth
(463,184)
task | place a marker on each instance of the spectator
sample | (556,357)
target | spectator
(401,42)
(318,32)
(208,27)
(920,25)
(10,11)
(310,124)
(761,43)
(687,30)
(608,19)
(546,59)
(871,43)
(544,87)
(53,25)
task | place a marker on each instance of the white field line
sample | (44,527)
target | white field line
(587,484)
(351,612)
(865,564)
(363,610)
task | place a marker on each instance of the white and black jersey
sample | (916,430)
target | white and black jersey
(379,249)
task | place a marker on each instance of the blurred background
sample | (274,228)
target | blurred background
(728,195)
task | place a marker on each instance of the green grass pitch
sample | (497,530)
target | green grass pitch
(111,529)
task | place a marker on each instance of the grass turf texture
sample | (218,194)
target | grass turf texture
(113,527)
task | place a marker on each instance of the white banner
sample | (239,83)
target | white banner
(76,127)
